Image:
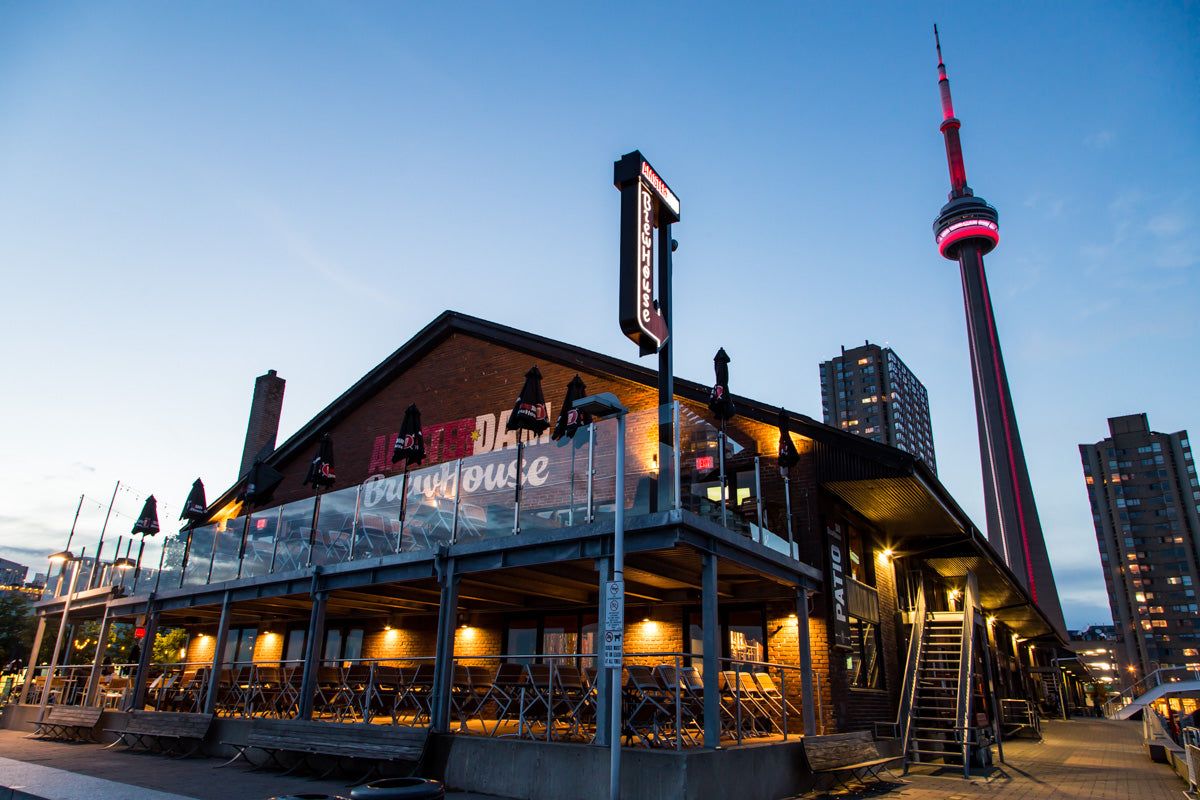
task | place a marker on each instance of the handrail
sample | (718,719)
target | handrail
(1152,681)
(966,664)
(916,644)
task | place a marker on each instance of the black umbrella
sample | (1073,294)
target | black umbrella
(410,447)
(260,483)
(529,414)
(788,455)
(720,402)
(788,458)
(195,505)
(410,443)
(146,525)
(571,419)
(320,471)
(147,521)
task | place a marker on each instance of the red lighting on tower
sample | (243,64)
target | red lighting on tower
(966,230)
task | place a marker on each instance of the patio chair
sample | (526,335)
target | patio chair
(651,718)
(507,688)
(576,702)
(778,700)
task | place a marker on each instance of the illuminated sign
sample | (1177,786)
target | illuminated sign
(837,588)
(970,228)
(646,203)
(704,462)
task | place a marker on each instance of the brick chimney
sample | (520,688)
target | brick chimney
(264,418)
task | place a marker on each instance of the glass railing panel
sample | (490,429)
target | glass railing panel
(487,495)
(642,474)
(604,467)
(227,549)
(429,508)
(260,542)
(549,497)
(379,516)
(171,577)
(295,531)
(335,526)
(200,554)
(700,473)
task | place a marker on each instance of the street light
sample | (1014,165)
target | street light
(605,405)
(67,558)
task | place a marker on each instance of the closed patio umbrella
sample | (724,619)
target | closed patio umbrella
(146,525)
(788,458)
(529,414)
(260,483)
(320,471)
(410,448)
(720,402)
(570,420)
(410,443)
(195,505)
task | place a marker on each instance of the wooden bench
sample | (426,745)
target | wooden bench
(358,740)
(845,752)
(151,729)
(67,722)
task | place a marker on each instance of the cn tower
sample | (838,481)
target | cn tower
(966,230)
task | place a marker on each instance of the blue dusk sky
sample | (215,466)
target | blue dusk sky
(194,193)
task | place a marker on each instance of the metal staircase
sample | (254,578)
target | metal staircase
(931,736)
(937,705)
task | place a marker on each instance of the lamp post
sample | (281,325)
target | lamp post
(64,556)
(606,406)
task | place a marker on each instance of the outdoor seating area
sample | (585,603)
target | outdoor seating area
(549,698)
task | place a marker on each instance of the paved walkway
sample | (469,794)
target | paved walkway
(1081,759)
(73,771)
(1084,759)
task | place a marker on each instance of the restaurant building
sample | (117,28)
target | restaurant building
(760,609)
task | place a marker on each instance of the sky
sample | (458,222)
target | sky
(192,194)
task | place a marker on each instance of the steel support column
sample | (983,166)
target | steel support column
(443,670)
(312,657)
(712,643)
(214,674)
(804,644)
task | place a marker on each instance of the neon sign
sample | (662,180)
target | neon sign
(646,203)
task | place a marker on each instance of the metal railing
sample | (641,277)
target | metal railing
(545,696)
(1152,681)
(563,484)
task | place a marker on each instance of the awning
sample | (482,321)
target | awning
(920,520)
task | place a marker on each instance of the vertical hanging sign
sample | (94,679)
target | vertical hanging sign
(646,203)
(835,544)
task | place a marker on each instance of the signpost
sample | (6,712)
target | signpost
(614,623)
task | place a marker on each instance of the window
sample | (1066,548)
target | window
(342,644)
(239,646)
(863,665)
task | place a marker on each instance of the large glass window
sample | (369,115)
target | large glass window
(863,664)
(239,645)
(293,648)
(551,635)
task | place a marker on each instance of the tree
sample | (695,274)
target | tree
(168,644)
(17,624)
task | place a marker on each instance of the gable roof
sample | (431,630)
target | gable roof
(838,450)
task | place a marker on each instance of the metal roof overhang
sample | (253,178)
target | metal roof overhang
(539,569)
(920,520)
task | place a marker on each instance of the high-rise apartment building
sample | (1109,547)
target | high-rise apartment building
(869,391)
(1144,494)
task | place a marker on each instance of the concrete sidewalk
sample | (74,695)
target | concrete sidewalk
(70,771)
(1080,759)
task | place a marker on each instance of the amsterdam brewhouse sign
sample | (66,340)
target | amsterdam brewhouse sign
(646,203)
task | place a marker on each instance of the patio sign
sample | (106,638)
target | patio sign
(835,544)
(646,203)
